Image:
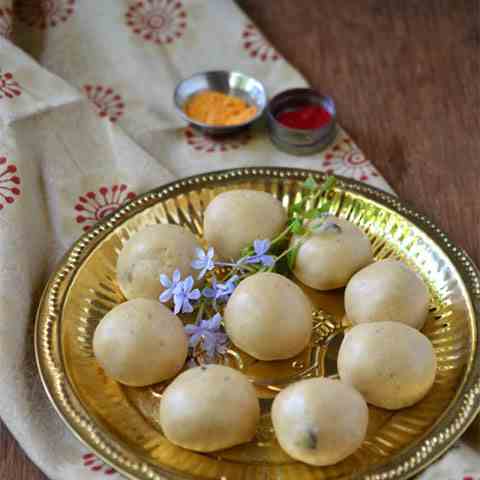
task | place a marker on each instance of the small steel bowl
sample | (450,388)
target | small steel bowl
(231,83)
(298,141)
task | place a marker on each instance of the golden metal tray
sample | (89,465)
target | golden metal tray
(119,423)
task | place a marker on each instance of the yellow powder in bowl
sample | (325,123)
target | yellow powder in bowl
(215,108)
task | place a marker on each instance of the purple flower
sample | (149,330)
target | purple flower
(204,261)
(261,248)
(182,295)
(170,285)
(214,341)
(220,291)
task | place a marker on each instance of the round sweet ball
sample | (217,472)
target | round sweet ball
(155,250)
(319,421)
(334,251)
(209,408)
(269,317)
(140,342)
(234,219)
(387,291)
(391,364)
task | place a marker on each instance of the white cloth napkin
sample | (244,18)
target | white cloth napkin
(86,122)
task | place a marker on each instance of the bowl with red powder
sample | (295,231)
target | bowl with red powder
(301,121)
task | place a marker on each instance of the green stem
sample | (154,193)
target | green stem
(285,252)
(313,197)
(326,185)
(229,274)
(281,235)
(249,268)
(200,311)
(239,269)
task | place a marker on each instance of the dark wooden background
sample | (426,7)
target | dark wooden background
(405,75)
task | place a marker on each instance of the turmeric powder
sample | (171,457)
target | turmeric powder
(216,108)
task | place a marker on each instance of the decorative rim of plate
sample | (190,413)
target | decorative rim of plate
(62,395)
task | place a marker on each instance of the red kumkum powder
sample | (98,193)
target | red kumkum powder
(305,118)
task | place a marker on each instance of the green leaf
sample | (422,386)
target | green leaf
(328,184)
(292,222)
(321,212)
(297,227)
(311,214)
(323,209)
(317,212)
(297,207)
(292,256)
(310,183)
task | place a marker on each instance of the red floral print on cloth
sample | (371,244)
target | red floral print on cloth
(9,87)
(206,143)
(93,206)
(95,464)
(9,183)
(5,22)
(344,158)
(157,21)
(42,14)
(107,103)
(257,45)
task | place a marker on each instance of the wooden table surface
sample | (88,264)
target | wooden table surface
(405,75)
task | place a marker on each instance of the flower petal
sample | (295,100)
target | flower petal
(202,273)
(177,289)
(221,290)
(210,253)
(178,302)
(222,339)
(209,345)
(257,246)
(190,329)
(200,253)
(215,322)
(209,292)
(166,295)
(165,281)
(194,294)
(252,259)
(194,339)
(176,276)
(267,260)
(188,284)
(186,307)
(198,264)
(261,246)
(203,324)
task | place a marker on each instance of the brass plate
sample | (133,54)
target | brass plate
(119,423)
